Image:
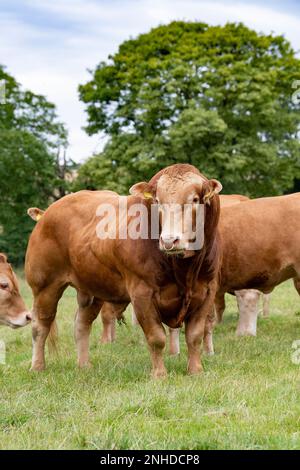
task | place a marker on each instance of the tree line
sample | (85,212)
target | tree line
(217,97)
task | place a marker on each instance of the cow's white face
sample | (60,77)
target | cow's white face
(13,311)
(181,203)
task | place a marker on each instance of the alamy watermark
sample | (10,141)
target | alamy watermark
(179,225)
(296,94)
(2,92)
(2,352)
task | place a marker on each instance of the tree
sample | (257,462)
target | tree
(217,97)
(31,140)
(27,174)
(28,111)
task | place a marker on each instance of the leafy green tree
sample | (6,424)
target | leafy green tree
(27,174)
(217,97)
(31,140)
(28,111)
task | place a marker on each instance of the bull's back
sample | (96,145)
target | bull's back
(48,252)
(227,200)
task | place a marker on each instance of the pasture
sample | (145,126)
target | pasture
(248,397)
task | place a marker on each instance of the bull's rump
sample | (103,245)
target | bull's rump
(260,241)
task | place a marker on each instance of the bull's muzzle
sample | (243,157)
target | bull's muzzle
(170,244)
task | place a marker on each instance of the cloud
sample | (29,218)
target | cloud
(48,46)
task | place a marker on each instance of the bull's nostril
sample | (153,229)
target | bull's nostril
(169,242)
(28,317)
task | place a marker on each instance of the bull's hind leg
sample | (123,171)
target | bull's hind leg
(134,320)
(109,314)
(109,323)
(208,345)
(220,306)
(174,344)
(88,310)
(44,311)
(247,300)
(297,284)
(266,305)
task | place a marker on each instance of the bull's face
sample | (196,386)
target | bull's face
(181,203)
(13,311)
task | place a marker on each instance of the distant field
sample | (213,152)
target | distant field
(248,397)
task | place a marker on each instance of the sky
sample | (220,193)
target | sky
(49,45)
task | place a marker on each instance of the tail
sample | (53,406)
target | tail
(121,319)
(53,335)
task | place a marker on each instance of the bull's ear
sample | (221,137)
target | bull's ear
(212,187)
(3,258)
(35,213)
(142,189)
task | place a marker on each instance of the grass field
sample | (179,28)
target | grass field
(248,397)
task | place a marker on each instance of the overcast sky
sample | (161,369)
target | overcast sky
(48,45)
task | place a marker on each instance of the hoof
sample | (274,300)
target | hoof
(174,351)
(159,374)
(106,341)
(209,353)
(245,333)
(84,365)
(37,368)
(195,370)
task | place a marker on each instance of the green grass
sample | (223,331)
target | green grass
(248,397)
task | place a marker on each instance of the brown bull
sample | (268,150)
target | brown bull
(260,239)
(247,299)
(166,281)
(13,311)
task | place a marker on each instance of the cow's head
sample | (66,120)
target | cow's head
(13,311)
(180,191)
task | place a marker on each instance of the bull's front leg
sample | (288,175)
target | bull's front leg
(153,329)
(196,330)
(44,311)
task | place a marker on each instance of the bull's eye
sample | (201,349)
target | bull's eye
(4,285)
(196,200)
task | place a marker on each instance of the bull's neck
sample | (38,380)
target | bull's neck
(203,264)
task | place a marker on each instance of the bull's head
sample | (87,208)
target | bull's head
(13,311)
(179,198)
